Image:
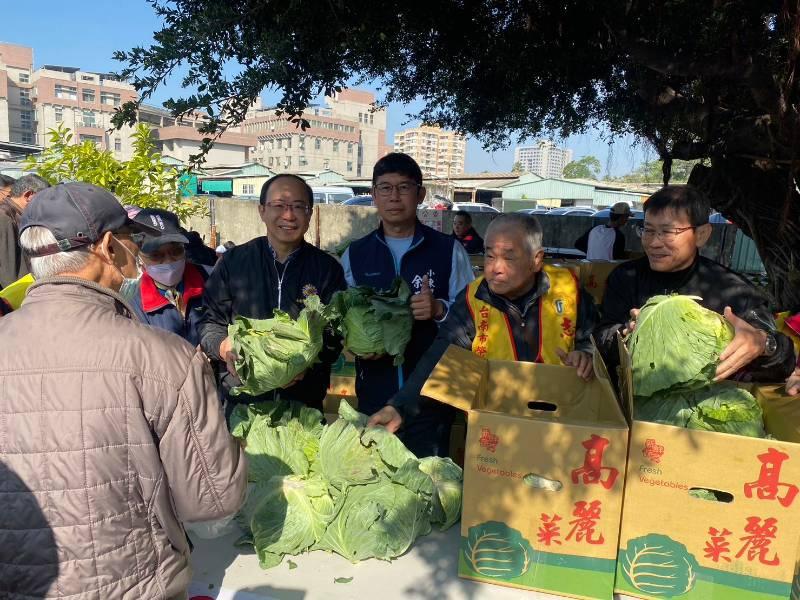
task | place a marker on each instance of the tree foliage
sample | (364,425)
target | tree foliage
(652,171)
(698,79)
(143,180)
(587,167)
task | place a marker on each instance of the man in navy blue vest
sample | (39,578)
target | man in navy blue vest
(434,265)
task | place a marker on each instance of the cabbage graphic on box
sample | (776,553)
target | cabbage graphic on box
(494,549)
(659,566)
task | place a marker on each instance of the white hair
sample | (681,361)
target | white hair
(528,224)
(33,238)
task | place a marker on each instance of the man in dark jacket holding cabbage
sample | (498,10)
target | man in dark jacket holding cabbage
(675,228)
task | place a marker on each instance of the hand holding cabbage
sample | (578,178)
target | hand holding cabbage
(273,353)
(375,323)
(675,350)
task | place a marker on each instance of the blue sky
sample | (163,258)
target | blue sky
(85,33)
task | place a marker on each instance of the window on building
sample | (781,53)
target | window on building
(95,139)
(27,138)
(359,117)
(349,166)
(370,118)
(88,119)
(288,162)
(279,144)
(317,144)
(303,161)
(25,97)
(59,112)
(110,99)
(289,143)
(117,145)
(270,161)
(336,147)
(24,78)
(66,92)
(302,142)
(349,148)
(88,95)
(248,189)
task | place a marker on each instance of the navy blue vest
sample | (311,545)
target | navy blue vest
(372,264)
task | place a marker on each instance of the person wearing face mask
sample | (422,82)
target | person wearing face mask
(170,293)
(115,425)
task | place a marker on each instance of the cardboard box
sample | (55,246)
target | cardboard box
(543,474)
(675,545)
(594,276)
(341,388)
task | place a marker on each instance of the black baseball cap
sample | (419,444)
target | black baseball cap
(77,214)
(165,222)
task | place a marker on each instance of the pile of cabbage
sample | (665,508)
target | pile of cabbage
(675,349)
(342,487)
(375,322)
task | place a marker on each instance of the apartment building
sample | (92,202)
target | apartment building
(544,158)
(439,153)
(345,135)
(34,101)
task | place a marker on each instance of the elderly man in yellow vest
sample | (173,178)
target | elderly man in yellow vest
(521,309)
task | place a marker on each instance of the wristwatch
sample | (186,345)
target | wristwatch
(770,345)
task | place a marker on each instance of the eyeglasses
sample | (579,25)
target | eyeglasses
(665,235)
(403,189)
(296,208)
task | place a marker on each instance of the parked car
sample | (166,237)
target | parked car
(534,211)
(604,214)
(365,200)
(575,211)
(474,207)
(331,195)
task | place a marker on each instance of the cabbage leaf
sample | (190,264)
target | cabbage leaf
(375,322)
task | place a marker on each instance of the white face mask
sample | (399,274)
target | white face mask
(168,274)
(130,285)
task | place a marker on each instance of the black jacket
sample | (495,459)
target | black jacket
(472,242)
(248,281)
(459,329)
(631,284)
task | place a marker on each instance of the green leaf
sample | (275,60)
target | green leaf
(292,514)
(342,579)
(292,564)
(676,345)
(660,566)
(272,352)
(343,460)
(447,479)
(494,549)
(389,447)
(375,322)
(377,520)
(274,451)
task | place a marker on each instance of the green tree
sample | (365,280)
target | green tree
(653,172)
(685,75)
(517,168)
(587,167)
(143,180)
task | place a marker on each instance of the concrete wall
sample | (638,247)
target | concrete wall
(331,225)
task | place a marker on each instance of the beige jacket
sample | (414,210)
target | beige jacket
(111,435)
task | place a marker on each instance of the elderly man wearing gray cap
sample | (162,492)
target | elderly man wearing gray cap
(606,242)
(110,431)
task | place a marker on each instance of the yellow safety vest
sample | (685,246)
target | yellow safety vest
(14,293)
(558,318)
(784,328)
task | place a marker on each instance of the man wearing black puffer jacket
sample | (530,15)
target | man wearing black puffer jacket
(278,271)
